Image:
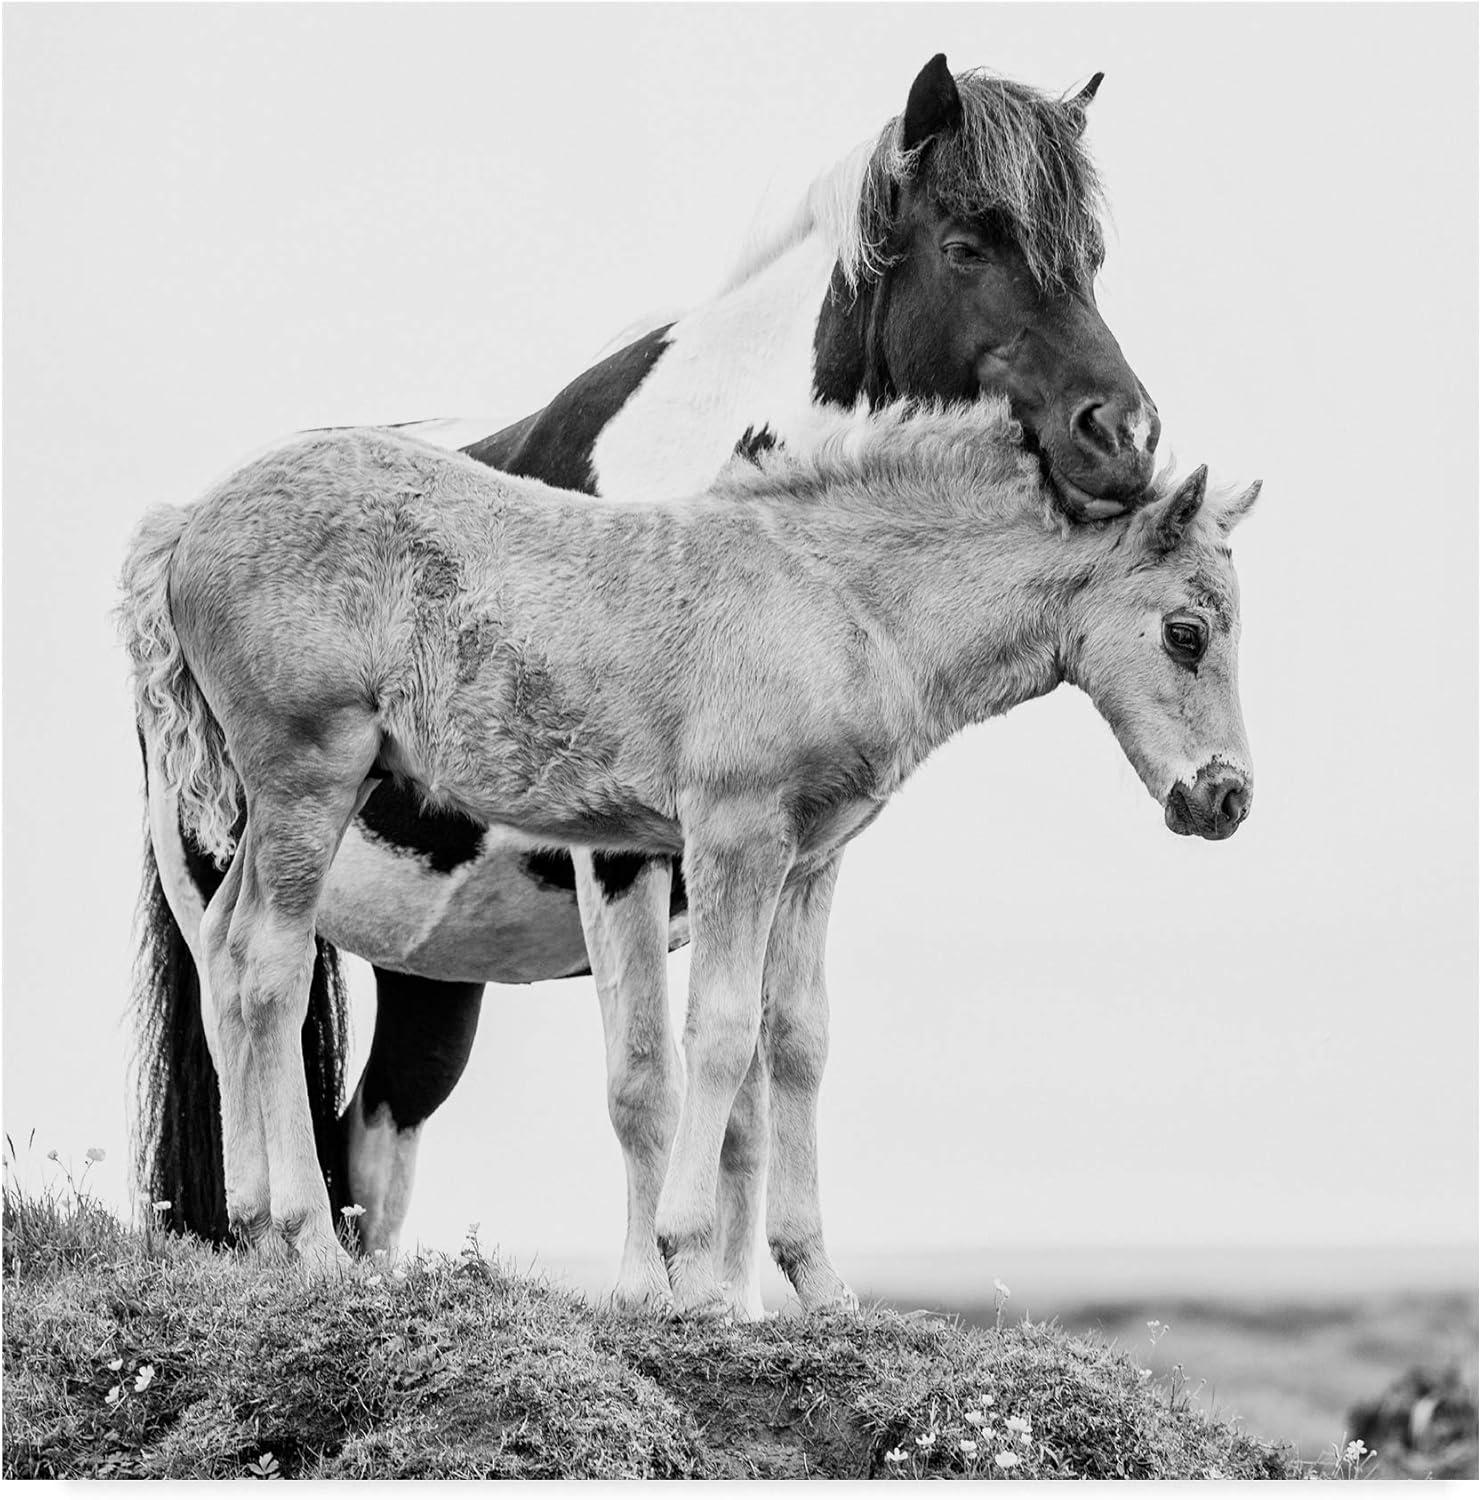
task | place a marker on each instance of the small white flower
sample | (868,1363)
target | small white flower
(399,1275)
(143,1378)
(974,1418)
(896,1456)
(162,1206)
(1215,1474)
(351,1211)
(926,1439)
(115,1395)
(1018,1424)
(96,1153)
(373,1281)
(1144,1374)
(115,1364)
(1355,1450)
(988,1398)
(1000,1288)
(969,1447)
(1007,1460)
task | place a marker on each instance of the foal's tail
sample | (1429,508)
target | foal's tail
(178,1149)
(173,714)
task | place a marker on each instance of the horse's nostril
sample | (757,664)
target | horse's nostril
(1095,425)
(1235,804)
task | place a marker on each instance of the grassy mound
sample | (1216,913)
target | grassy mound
(136,1356)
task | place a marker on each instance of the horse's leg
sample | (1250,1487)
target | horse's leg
(741,1192)
(795,1034)
(736,858)
(243,1138)
(424,1032)
(625,916)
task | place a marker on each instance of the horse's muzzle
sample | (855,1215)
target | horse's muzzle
(1106,465)
(1214,807)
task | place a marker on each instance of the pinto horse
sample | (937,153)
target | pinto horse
(952,254)
(743,678)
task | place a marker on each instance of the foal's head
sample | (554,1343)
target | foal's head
(1154,644)
(988,216)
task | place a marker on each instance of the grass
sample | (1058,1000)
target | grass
(141,1355)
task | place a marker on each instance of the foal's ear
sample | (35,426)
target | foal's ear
(1163,525)
(934,106)
(1076,107)
(1233,512)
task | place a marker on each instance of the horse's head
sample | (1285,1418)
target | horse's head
(989,227)
(1153,641)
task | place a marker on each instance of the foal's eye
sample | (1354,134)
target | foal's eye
(1184,640)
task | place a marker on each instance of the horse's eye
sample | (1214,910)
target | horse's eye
(1184,640)
(961,253)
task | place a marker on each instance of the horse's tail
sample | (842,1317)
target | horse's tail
(178,1141)
(172,712)
(177,1151)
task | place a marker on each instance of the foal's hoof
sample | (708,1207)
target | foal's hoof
(833,1295)
(643,1292)
(321,1259)
(712,1309)
(843,1301)
(744,1305)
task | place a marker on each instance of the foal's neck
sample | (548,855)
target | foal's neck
(976,604)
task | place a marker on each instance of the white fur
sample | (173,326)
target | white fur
(383,1169)
(755,346)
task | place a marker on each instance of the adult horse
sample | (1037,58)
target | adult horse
(954,253)
(743,678)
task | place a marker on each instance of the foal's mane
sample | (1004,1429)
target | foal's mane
(907,460)
(1017,158)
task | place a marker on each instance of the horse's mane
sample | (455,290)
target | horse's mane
(1017,158)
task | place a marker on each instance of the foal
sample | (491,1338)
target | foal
(745,677)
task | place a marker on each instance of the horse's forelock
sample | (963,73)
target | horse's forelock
(1017,156)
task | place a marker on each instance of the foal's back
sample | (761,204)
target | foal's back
(536,657)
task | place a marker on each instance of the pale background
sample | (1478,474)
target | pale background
(1054,1023)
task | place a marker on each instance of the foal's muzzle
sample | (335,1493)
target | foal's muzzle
(1214,807)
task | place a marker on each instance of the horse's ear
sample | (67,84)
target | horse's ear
(1163,525)
(934,106)
(1233,512)
(1077,106)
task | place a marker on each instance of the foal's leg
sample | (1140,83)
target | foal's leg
(742,1190)
(294,832)
(736,857)
(796,1039)
(243,1138)
(627,933)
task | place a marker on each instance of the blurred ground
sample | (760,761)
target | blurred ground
(1287,1341)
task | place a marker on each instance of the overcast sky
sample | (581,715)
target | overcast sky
(1054,1022)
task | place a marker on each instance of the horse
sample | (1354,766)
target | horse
(741,679)
(953,253)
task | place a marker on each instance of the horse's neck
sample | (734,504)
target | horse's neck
(974,608)
(743,361)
